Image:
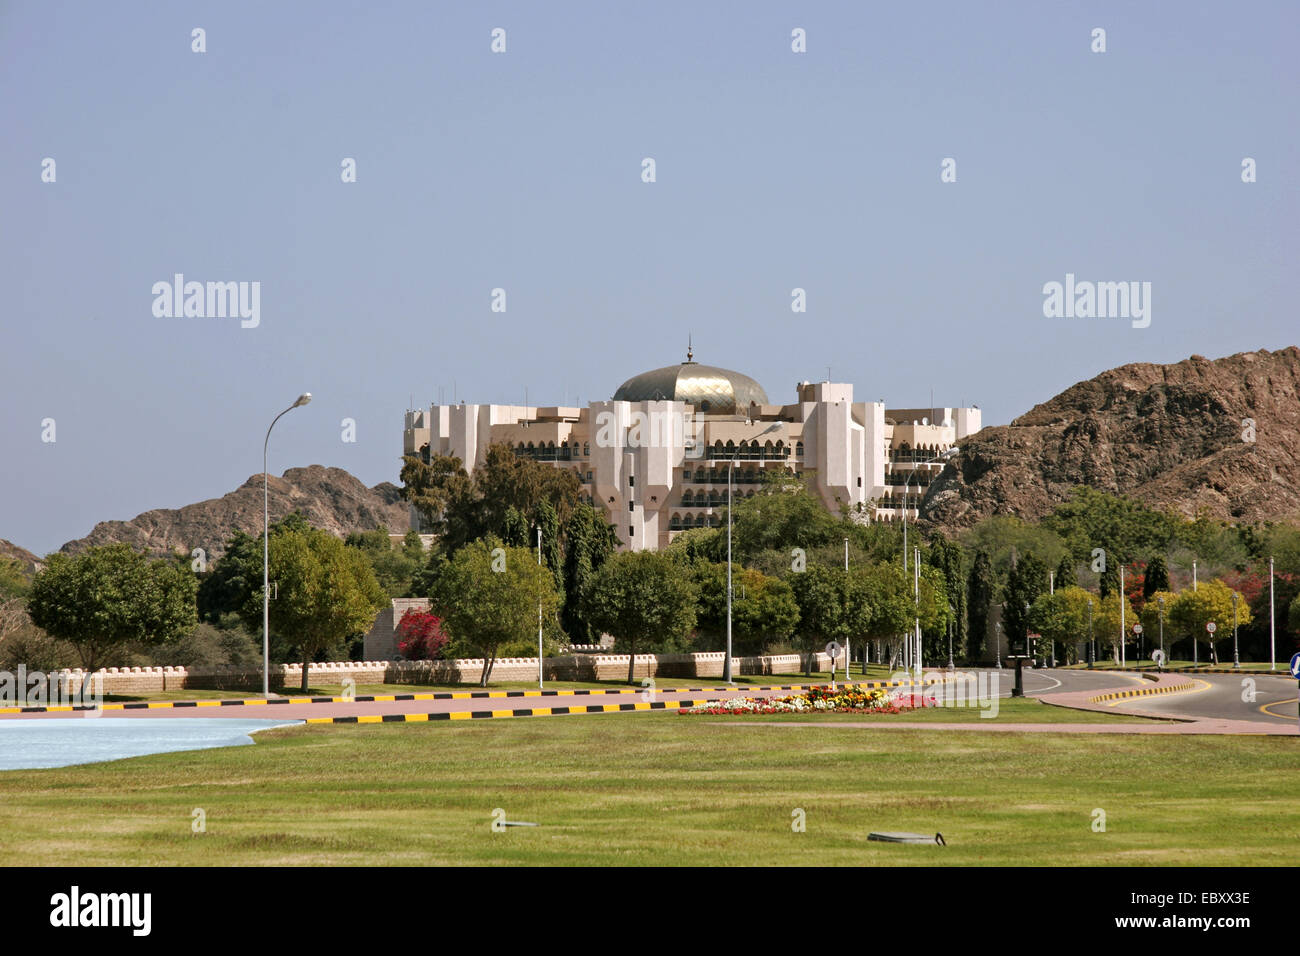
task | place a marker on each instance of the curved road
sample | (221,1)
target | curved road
(1213,697)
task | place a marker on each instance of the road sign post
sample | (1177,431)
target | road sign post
(1210,628)
(833,651)
(1295,672)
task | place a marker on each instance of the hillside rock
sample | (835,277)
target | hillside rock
(1170,436)
(329,498)
(30,562)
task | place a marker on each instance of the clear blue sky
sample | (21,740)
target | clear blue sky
(522,171)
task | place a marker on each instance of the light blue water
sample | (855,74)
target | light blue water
(63,742)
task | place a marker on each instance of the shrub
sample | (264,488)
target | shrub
(420,636)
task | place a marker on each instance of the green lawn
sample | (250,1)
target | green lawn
(664,789)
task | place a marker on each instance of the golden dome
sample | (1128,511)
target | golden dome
(713,391)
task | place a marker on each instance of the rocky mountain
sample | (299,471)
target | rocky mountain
(1221,435)
(329,498)
(29,561)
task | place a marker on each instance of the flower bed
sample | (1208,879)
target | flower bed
(848,700)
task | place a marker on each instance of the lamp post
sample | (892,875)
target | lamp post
(1123,632)
(1236,661)
(951,624)
(999,643)
(916,598)
(303,399)
(847,655)
(1092,643)
(539,615)
(1272,624)
(1160,602)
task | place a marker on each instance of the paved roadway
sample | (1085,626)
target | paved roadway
(1215,697)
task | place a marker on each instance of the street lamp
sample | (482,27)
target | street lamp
(1160,601)
(303,399)
(999,644)
(951,625)
(1236,661)
(540,685)
(1123,632)
(1092,643)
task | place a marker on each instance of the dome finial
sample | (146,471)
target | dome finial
(690,354)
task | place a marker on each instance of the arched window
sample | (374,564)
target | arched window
(798,453)
(586,450)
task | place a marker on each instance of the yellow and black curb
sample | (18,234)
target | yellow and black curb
(444,695)
(521,712)
(1146,692)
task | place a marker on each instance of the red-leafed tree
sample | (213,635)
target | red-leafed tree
(420,636)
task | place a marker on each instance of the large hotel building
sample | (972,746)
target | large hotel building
(656,455)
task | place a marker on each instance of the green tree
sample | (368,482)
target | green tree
(548,523)
(1122,526)
(834,605)
(950,559)
(1109,578)
(644,599)
(1210,602)
(14,582)
(1156,577)
(763,609)
(1062,618)
(1151,615)
(979,589)
(783,515)
(324,593)
(514,529)
(893,606)
(589,541)
(112,596)
(394,568)
(1107,622)
(443,495)
(488,597)
(505,480)
(1006,537)
(1025,582)
(1066,573)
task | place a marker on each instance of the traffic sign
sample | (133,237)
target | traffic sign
(1210,626)
(833,649)
(1295,665)
(1137,628)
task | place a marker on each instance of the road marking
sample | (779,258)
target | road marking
(1264,708)
(1056,683)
